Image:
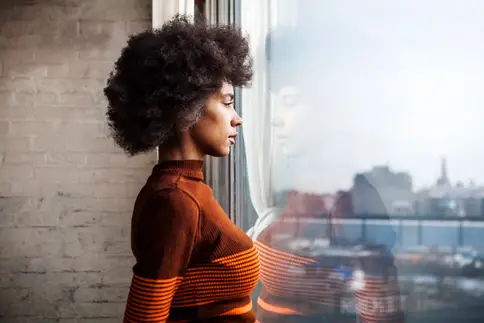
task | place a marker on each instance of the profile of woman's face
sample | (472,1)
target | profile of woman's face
(292,123)
(216,131)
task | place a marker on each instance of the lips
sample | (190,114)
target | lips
(232,138)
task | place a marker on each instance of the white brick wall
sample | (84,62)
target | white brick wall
(66,193)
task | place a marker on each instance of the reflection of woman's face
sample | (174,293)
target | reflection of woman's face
(288,121)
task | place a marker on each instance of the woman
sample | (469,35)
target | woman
(173,88)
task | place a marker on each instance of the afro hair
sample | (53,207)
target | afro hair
(163,78)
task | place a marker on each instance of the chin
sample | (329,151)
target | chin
(219,152)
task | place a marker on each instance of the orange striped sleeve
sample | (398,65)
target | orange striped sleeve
(163,238)
(379,301)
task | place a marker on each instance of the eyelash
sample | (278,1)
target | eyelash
(229,104)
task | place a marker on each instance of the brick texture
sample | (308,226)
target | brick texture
(66,193)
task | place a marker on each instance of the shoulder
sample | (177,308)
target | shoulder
(172,207)
(174,193)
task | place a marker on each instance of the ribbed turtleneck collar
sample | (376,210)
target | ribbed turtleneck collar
(188,168)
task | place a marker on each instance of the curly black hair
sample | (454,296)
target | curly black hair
(162,79)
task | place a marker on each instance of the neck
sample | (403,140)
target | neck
(186,151)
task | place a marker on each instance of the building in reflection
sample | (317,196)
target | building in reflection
(383,191)
(446,199)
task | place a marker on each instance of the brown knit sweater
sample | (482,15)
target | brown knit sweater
(192,262)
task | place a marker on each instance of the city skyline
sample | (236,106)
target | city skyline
(315,181)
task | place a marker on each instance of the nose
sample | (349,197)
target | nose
(236,121)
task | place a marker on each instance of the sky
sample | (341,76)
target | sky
(397,82)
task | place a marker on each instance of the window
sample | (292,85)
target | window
(362,173)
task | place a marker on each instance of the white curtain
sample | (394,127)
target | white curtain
(255,20)
(258,19)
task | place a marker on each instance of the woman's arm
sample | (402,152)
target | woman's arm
(163,238)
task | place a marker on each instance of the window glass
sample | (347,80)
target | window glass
(363,172)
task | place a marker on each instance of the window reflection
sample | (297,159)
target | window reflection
(367,181)
(312,271)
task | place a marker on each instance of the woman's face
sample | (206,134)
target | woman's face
(291,121)
(215,132)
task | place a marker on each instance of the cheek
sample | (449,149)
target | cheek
(295,118)
(294,126)
(292,120)
(212,130)
(218,123)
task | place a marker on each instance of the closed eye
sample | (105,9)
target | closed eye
(228,99)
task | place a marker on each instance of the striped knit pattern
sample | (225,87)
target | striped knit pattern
(149,299)
(379,301)
(293,285)
(192,262)
(206,283)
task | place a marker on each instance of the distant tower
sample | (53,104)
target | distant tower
(443,179)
